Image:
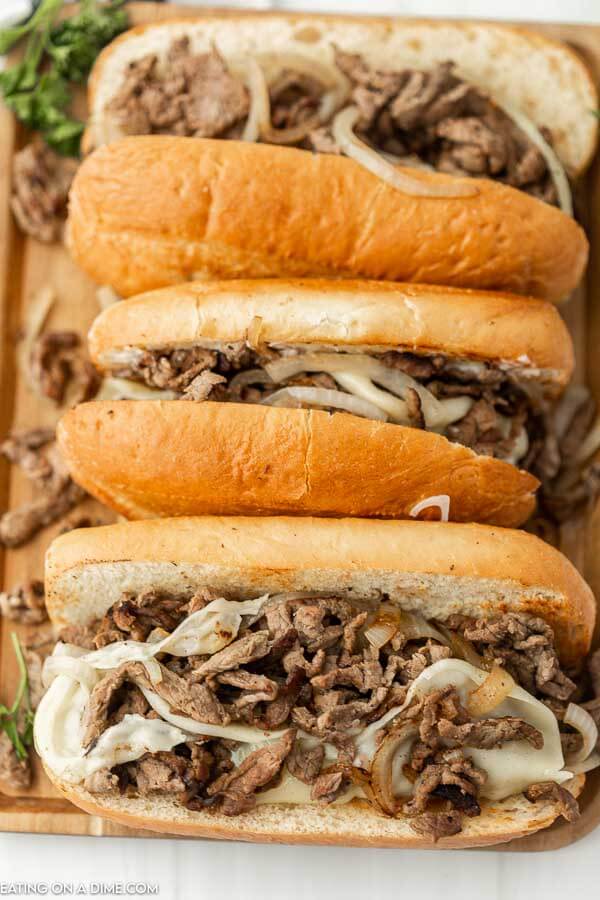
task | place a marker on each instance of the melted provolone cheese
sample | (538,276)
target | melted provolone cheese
(510,768)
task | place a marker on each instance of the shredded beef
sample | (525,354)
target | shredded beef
(436,825)
(305,662)
(328,786)
(196,95)
(25,604)
(41,182)
(524,645)
(58,360)
(238,788)
(37,454)
(304,762)
(550,792)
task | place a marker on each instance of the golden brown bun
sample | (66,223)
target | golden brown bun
(481,325)
(544,78)
(433,567)
(355,824)
(147,212)
(149,458)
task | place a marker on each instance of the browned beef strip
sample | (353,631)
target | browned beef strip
(450,776)
(58,360)
(436,825)
(102,782)
(305,762)
(41,182)
(194,700)
(486,734)
(197,96)
(550,792)
(57,494)
(14,772)
(524,645)
(328,786)
(237,789)
(246,649)
(25,604)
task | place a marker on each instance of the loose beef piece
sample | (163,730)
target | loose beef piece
(58,361)
(550,792)
(25,604)
(56,494)
(41,182)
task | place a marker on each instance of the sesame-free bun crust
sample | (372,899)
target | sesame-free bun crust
(147,212)
(543,78)
(435,568)
(148,458)
(354,824)
(480,325)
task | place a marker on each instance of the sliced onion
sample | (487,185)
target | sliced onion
(253,332)
(380,633)
(106,296)
(250,376)
(259,116)
(572,399)
(580,768)
(438,414)
(439,501)
(414,627)
(309,396)
(491,692)
(361,153)
(327,73)
(382,767)
(154,670)
(462,648)
(582,721)
(555,167)
(37,313)
(363,387)
(127,389)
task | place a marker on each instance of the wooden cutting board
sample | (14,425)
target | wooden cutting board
(27,266)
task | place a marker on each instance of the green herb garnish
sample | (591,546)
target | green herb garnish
(37,89)
(17,720)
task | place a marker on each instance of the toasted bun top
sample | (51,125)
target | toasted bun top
(543,78)
(436,568)
(474,324)
(236,209)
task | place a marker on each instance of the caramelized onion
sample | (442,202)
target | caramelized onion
(352,146)
(259,117)
(250,376)
(253,333)
(380,633)
(127,389)
(382,767)
(580,768)
(309,396)
(462,648)
(580,719)
(491,692)
(327,74)
(590,444)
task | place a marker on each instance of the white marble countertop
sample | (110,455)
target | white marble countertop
(194,869)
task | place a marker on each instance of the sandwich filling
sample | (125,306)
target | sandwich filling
(495,409)
(224,704)
(432,120)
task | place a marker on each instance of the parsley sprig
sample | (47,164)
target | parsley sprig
(17,720)
(56,55)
